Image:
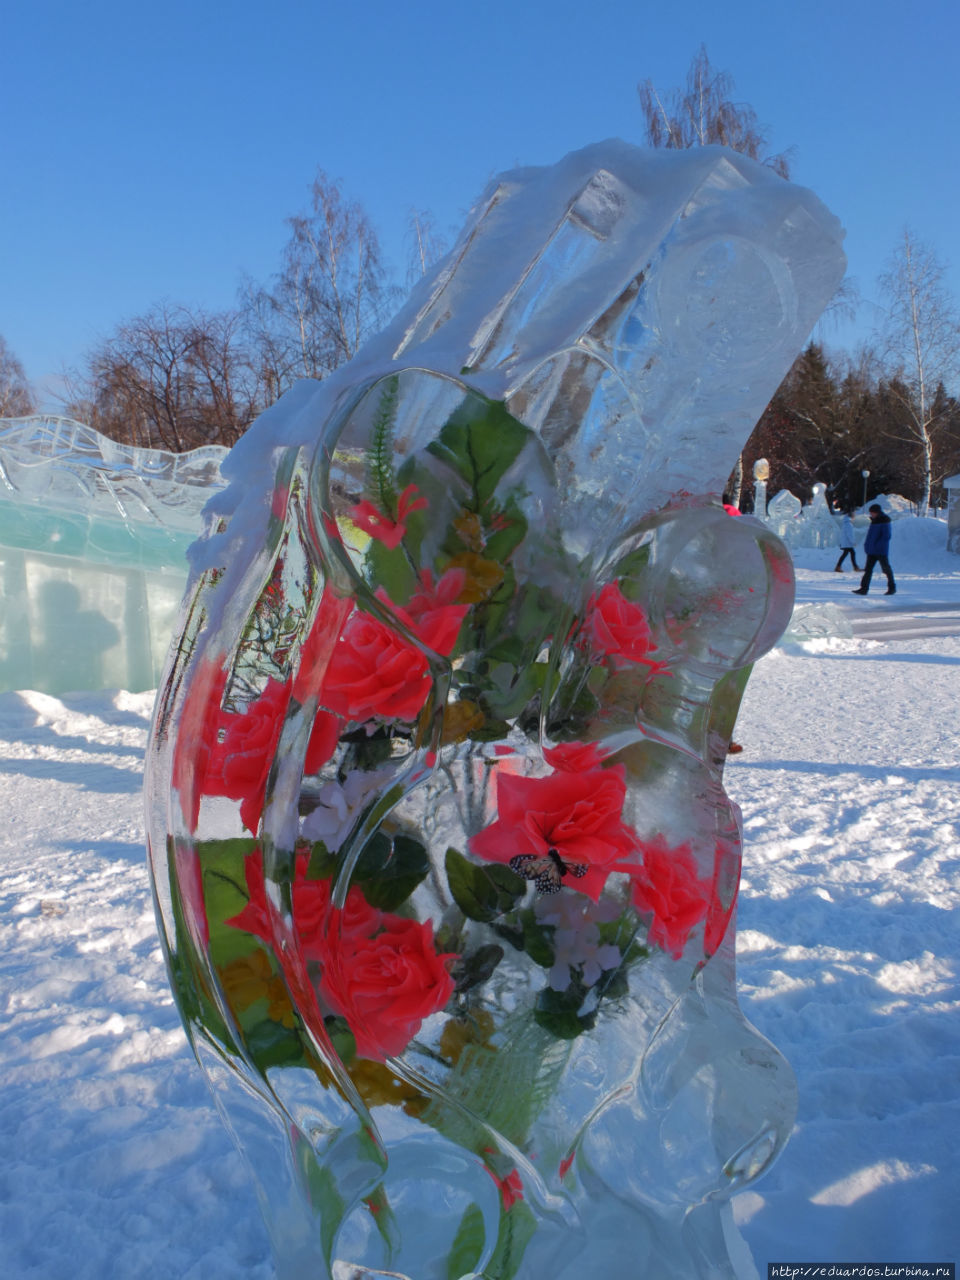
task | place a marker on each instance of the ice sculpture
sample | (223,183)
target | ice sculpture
(797,525)
(93,542)
(444,865)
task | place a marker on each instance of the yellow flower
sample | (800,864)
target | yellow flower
(252,978)
(459,719)
(483,576)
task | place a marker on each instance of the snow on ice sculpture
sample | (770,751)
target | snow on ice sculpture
(444,865)
(93,542)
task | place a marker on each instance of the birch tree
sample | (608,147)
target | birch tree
(16,398)
(704,113)
(329,294)
(920,341)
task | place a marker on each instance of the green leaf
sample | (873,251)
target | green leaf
(389,569)
(482,893)
(517,1227)
(615,985)
(475,969)
(467,1247)
(222,864)
(323,864)
(558,1012)
(511,689)
(390,871)
(492,729)
(273,1045)
(480,441)
(507,537)
(342,1037)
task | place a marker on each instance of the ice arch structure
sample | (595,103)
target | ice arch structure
(93,540)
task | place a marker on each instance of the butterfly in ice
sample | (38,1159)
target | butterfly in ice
(546,872)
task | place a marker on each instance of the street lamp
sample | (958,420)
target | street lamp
(866,477)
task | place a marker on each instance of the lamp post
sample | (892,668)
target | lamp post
(866,477)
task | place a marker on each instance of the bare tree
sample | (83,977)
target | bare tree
(16,397)
(425,245)
(704,113)
(172,379)
(328,296)
(920,341)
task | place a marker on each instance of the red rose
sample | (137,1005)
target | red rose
(577,814)
(315,918)
(575,757)
(618,628)
(384,985)
(332,613)
(375,671)
(378,971)
(196,736)
(324,737)
(668,886)
(436,616)
(311,907)
(241,751)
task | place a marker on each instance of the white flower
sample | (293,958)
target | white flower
(576,939)
(338,807)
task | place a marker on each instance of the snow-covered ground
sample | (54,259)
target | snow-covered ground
(113,1163)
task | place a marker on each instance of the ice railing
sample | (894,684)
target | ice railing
(64,464)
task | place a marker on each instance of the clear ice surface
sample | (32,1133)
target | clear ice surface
(93,542)
(444,866)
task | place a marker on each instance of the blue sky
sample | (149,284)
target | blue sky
(153,152)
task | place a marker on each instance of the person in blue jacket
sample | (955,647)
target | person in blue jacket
(877,548)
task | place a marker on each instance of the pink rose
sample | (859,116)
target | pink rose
(617,628)
(384,985)
(577,814)
(668,886)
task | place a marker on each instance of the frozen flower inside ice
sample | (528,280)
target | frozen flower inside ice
(338,807)
(576,938)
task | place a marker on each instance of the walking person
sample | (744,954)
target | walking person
(847,543)
(876,548)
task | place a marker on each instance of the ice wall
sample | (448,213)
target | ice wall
(93,536)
